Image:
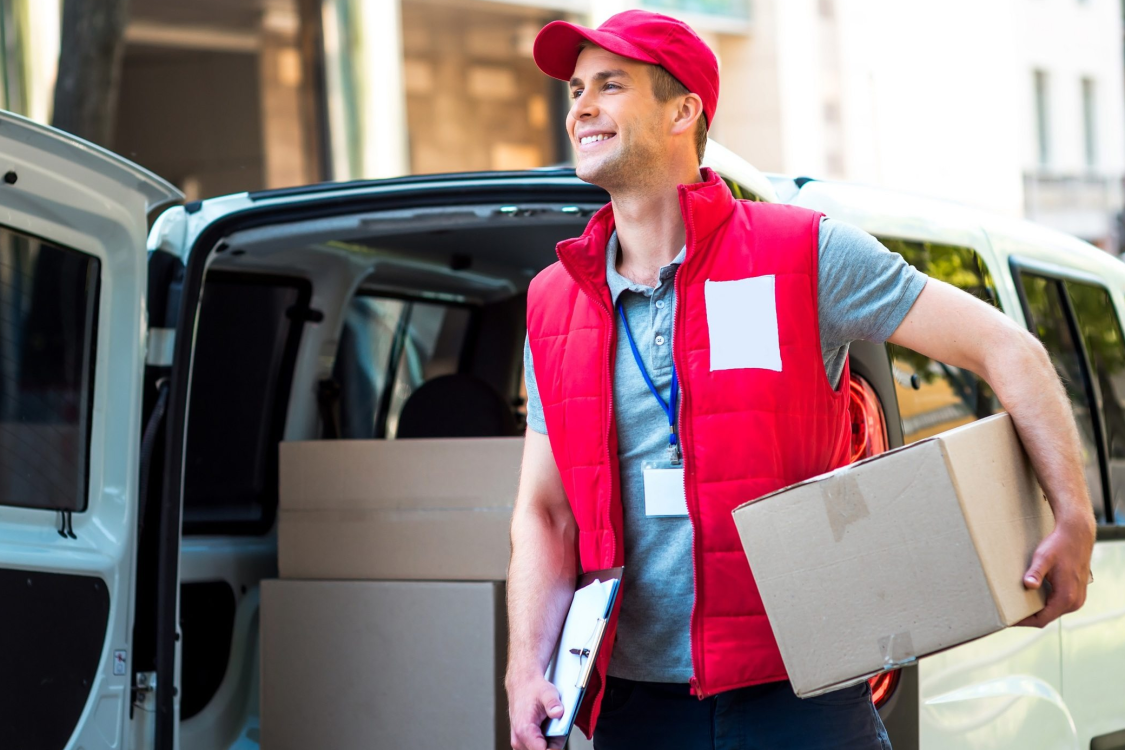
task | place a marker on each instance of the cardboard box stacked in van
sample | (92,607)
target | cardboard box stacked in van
(901,555)
(387,627)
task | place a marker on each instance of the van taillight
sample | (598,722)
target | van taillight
(869,438)
(869,426)
(882,686)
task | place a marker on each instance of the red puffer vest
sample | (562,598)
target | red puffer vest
(757,412)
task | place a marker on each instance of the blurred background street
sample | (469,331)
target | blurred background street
(1016,106)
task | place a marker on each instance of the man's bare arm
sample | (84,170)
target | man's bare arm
(951,326)
(541,577)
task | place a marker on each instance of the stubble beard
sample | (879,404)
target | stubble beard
(632,165)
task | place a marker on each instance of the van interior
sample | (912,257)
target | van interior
(386,325)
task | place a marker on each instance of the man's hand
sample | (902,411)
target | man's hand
(531,700)
(1063,560)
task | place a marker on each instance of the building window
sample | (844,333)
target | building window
(1089,121)
(1043,132)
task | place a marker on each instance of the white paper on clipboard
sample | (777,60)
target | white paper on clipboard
(590,606)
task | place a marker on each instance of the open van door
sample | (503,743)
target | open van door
(73,226)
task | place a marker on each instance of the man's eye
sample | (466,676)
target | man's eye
(575,93)
(614,85)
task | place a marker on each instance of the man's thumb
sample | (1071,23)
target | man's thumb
(552,703)
(1033,578)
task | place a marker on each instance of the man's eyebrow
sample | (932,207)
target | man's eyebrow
(616,73)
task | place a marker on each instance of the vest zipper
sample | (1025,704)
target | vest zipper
(685,207)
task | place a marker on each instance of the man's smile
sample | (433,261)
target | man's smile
(591,141)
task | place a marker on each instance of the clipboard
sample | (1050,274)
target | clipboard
(579,644)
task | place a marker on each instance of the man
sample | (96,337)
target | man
(686,354)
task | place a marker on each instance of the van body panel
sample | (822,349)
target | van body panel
(1093,648)
(66,193)
(79,160)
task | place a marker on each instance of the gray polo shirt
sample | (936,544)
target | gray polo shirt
(864,292)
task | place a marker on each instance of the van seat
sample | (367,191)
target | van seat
(457,405)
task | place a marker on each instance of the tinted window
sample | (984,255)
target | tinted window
(1048,320)
(48,323)
(933,396)
(388,348)
(248,331)
(1105,348)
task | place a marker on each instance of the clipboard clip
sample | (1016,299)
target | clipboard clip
(584,653)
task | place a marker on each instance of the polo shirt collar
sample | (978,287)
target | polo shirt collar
(618,283)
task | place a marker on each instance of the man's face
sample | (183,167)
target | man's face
(616,126)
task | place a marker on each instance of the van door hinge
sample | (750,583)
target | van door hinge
(144,691)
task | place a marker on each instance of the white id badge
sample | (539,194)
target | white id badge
(664,491)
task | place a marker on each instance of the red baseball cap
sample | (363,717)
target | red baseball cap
(638,35)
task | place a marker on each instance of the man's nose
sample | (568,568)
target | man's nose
(584,107)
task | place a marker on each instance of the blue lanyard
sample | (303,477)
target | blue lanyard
(669,408)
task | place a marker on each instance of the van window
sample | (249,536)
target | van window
(1105,348)
(248,332)
(1047,318)
(388,348)
(933,396)
(48,328)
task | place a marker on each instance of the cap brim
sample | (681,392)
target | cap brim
(556,48)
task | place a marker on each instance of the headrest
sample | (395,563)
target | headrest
(457,405)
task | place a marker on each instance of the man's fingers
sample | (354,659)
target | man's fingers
(528,737)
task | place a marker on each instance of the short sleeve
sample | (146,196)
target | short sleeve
(864,289)
(535,419)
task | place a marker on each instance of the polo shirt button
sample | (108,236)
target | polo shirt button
(660,341)
(659,304)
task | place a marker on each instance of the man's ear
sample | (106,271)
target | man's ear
(688,112)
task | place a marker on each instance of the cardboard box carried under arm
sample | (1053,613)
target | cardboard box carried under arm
(878,563)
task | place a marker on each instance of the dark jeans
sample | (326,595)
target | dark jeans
(656,715)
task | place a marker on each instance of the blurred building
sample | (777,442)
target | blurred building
(1012,105)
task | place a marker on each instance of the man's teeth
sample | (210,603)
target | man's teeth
(594,138)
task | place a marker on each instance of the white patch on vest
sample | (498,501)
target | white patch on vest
(742,322)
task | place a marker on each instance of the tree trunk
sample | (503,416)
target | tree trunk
(90,68)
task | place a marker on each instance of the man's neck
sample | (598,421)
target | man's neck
(650,229)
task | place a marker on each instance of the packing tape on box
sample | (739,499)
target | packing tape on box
(843,504)
(897,649)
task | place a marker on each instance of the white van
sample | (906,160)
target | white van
(147,377)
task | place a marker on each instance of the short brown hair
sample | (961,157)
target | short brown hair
(666,87)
